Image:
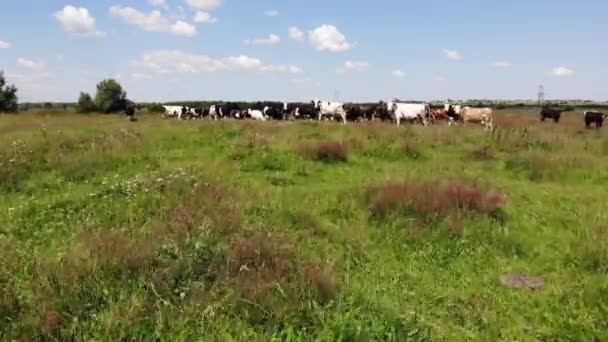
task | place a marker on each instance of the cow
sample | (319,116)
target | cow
(255,114)
(213,112)
(477,115)
(228,109)
(551,113)
(273,110)
(172,111)
(596,118)
(330,109)
(367,111)
(408,111)
(300,110)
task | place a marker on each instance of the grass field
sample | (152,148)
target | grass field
(249,231)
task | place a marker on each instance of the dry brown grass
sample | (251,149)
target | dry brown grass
(258,265)
(322,280)
(50,322)
(332,151)
(483,153)
(432,199)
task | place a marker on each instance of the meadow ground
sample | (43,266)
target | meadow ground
(249,231)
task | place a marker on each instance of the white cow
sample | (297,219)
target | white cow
(256,115)
(172,111)
(213,112)
(408,111)
(331,109)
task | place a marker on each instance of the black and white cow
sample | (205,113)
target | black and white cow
(300,110)
(596,118)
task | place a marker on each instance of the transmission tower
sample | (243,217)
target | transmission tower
(336,95)
(541,95)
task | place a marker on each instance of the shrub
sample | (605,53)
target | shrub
(8,96)
(85,104)
(326,151)
(110,96)
(156,108)
(432,199)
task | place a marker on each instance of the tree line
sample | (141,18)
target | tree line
(110,97)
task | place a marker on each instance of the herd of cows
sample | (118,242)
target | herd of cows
(393,111)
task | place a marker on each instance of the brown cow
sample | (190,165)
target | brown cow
(477,115)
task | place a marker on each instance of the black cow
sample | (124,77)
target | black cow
(551,113)
(596,118)
(364,111)
(300,110)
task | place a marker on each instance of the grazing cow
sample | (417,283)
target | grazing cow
(596,118)
(256,114)
(551,113)
(227,109)
(172,111)
(213,112)
(408,111)
(477,115)
(367,111)
(331,109)
(301,110)
(274,110)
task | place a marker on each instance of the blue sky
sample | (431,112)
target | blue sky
(336,49)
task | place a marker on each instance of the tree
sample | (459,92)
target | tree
(85,104)
(110,96)
(8,96)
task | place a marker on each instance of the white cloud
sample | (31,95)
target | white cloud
(439,79)
(153,21)
(295,33)
(271,13)
(272,39)
(454,55)
(562,71)
(32,65)
(204,17)
(328,38)
(398,73)
(141,76)
(157,2)
(4,45)
(502,64)
(204,5)
(352,66)
(166,61)
(78,22)
(183,28)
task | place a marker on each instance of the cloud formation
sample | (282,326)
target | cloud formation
(271,13)
(153,21)
(328,38)
(166,61)
(78,22)
(4,45)
(296,34)
(272,39)
(32,65)
(204,18)
(502,64)
(453,55)
(204,5)
(352,66)
(562,71)
(398,73)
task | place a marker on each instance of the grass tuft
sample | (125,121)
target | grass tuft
(432,199)
(329,152)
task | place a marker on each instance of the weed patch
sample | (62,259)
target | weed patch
(432,200)
(329,152)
